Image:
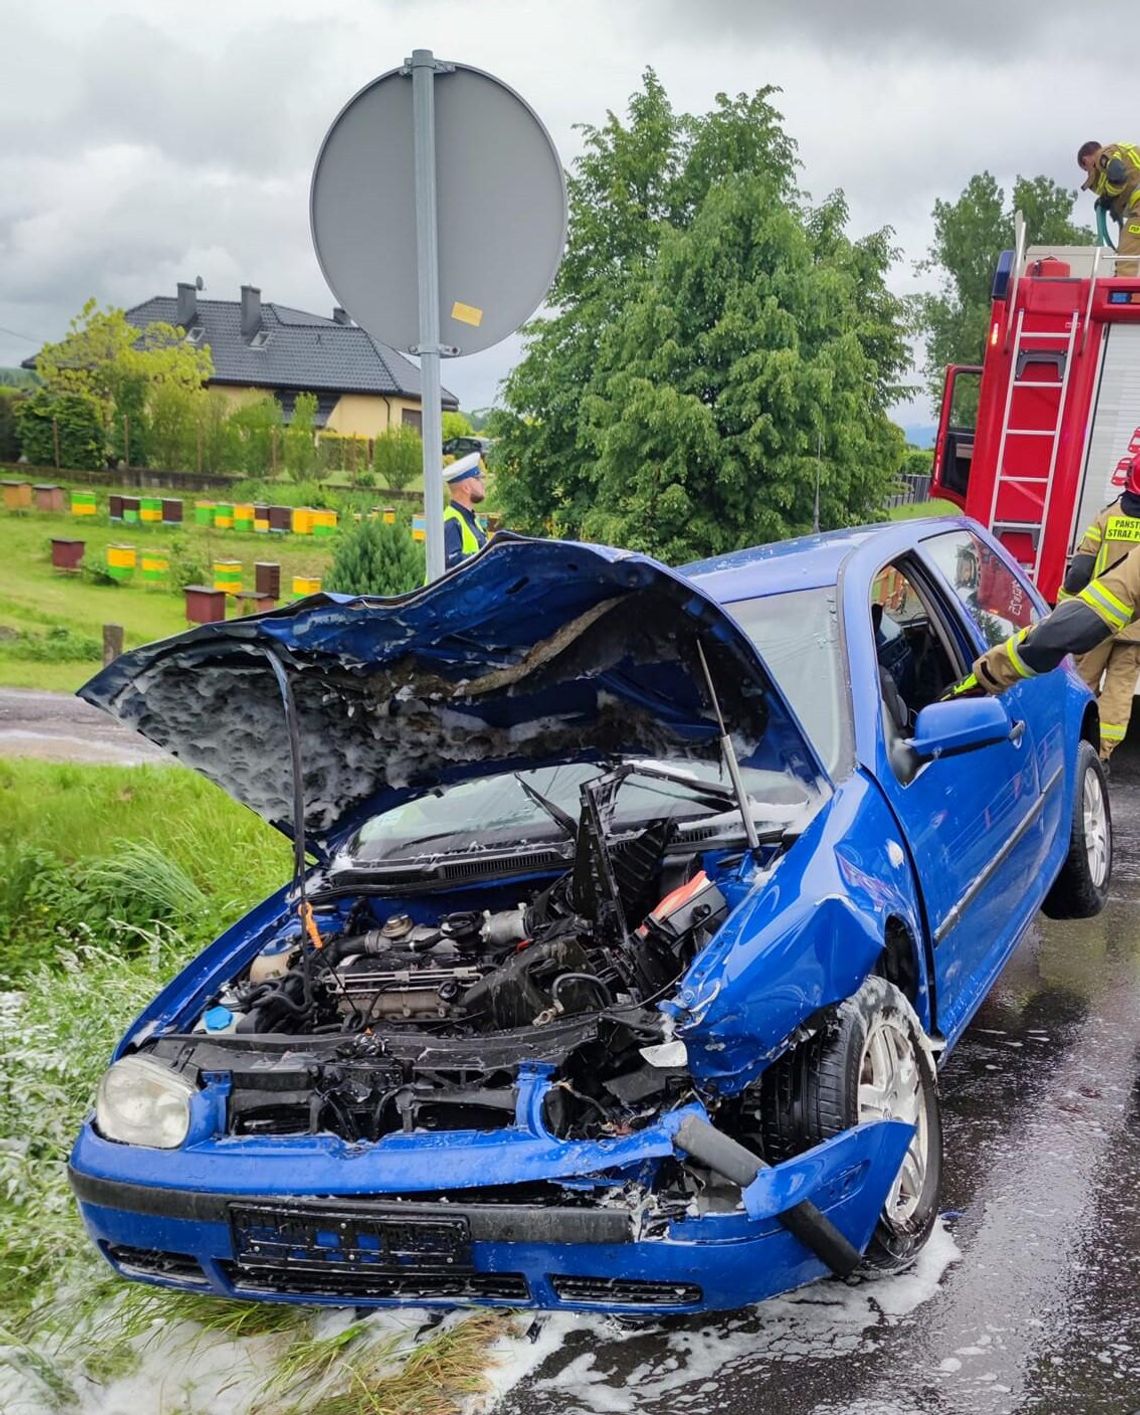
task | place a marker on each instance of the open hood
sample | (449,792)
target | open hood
(533,651)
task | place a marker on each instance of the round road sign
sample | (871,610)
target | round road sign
(501,202)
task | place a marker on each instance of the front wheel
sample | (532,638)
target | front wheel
(867,1062)
(1080,890)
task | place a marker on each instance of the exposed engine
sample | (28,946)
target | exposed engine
(385,1008)
(491,972)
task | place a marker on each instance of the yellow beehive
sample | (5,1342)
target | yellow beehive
(306,585)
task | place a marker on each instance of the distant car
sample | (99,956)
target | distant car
(594,1008)
(462,446)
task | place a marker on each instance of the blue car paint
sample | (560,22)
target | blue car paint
(803,933)
(816,922)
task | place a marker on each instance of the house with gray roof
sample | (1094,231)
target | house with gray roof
(362,387)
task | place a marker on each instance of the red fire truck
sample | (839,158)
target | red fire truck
(1035,441)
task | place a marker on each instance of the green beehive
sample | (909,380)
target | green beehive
(224,516)
(150,510)
(227,576)
(203,513)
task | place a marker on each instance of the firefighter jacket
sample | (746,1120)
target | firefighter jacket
(1103,608)
(1116,178)
(1108,540)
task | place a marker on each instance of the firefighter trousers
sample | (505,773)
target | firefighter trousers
(1118,660)
(1129,241)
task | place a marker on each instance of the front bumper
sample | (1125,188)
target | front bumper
(313,1220)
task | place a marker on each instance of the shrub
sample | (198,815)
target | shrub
(300,438)
(398,457)
(10,399)
(76,417)
(456,425)
(374,558)
(60,644)
(185,566)
(257,436)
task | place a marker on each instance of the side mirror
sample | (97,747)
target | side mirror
(946,729)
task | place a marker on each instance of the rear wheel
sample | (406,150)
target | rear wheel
(868,1062)
(1080,890)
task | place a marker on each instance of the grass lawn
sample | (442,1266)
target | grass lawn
(915,509)
(35,599)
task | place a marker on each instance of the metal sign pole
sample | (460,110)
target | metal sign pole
(423,68)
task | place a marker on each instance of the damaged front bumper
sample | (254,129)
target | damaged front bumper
(314,1219)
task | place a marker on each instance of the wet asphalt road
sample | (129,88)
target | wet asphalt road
(1040,1311)
(59,728)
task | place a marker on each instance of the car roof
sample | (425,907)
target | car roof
(807,562)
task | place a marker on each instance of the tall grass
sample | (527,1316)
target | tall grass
(111,879)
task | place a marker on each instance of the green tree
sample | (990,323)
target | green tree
(718,343)
(969,234)
(10,399)
(218,440)
(174,413)
(76,418)
(256,427)
(124,370)
(375,558)
(398,457)
(456,425)
(301,438)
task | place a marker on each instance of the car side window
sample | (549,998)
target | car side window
(986,587)
(915,666)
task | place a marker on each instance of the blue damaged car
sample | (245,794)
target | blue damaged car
(633,912)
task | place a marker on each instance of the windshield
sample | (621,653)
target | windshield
(498,810)
(797,634)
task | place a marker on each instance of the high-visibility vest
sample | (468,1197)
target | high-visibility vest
(1110,537)
(469,542)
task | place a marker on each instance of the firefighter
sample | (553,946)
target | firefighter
(1106,605)
(1111,536)
(1112,173)
(462,533)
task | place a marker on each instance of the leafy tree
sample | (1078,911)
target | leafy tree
(716,345)
(174,414)
(969,234)
(78,422)
(456,425)
(398,457)
(256,429)
(301,438)
(10,399)
(123,369)
(375,558)
(218,439)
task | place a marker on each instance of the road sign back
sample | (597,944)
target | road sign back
(501,202)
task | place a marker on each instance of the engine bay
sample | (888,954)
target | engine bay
(376,1007)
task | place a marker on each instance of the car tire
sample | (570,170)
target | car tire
(1080,890)
(841,1076)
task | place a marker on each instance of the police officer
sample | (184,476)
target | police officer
(1114,533)
(1112,172)
(462,534)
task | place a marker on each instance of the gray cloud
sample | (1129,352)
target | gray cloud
(995,29)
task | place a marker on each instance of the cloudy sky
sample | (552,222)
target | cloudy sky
(146,143)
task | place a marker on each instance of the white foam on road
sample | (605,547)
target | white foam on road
(686,1366)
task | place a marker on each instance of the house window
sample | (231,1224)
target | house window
(412,417)
(260,339)
(195,335)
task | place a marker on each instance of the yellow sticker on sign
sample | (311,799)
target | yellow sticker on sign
(466,314)
(1123,528)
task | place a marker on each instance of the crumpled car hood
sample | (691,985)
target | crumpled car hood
(535,650)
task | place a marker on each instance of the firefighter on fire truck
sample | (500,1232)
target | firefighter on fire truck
(1112,173)
(1114,533)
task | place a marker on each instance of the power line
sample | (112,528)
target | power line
(15,333)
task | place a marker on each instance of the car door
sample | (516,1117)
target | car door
(969,819)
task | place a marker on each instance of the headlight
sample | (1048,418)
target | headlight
(142,1102)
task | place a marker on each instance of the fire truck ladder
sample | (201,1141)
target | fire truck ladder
(1034,347)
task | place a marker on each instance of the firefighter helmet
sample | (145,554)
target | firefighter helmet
(1132,481)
